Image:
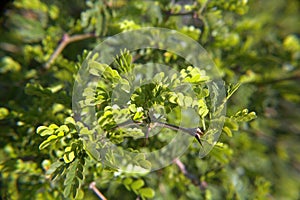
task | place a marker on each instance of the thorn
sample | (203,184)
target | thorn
(197,136)
(199,132)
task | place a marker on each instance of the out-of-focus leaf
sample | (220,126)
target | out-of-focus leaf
(137,184)
(147,192)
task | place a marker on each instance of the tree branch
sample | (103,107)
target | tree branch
(183,170)
(201,184)
(66,39)
(195,132)
(97,192)
(10,47)
(203,7)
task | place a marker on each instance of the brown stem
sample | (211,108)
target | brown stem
(66,39)
(190,176)
(97,192)
(195,132)
(9,47)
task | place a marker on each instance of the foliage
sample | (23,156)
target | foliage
(255,45)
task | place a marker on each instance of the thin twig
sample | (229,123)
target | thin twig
(203,7)
(180,165)
(97,192)
(195,132)
(10,47)
(190,131)
(66,39)
(180,14)
(190,176)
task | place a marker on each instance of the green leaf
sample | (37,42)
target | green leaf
(69,157)
(91,150)
(127,182)
(63,128)
(125,86)
(71,173)
(123,61)
(53,167)
(145,164)
(37,90)
(188,101)
(147,192)
(231,124)
(58,172)
(132,108)
(135,133)
(70,120)
(72,180)
(232,88)
(203,111)
(8,64)
(60,134)
(79,175)
(44,144)
(137,184)
(140,156)
(67,191)
(3,113)
(138,115)
(180,99)
(44,130)
(173,98)
(52,137)
(80,194)
(68,149)
(53,126)
(227,131)
(97,68)
(29,29)
(244,116)
(75,187)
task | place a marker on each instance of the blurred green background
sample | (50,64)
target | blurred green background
(253,42)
